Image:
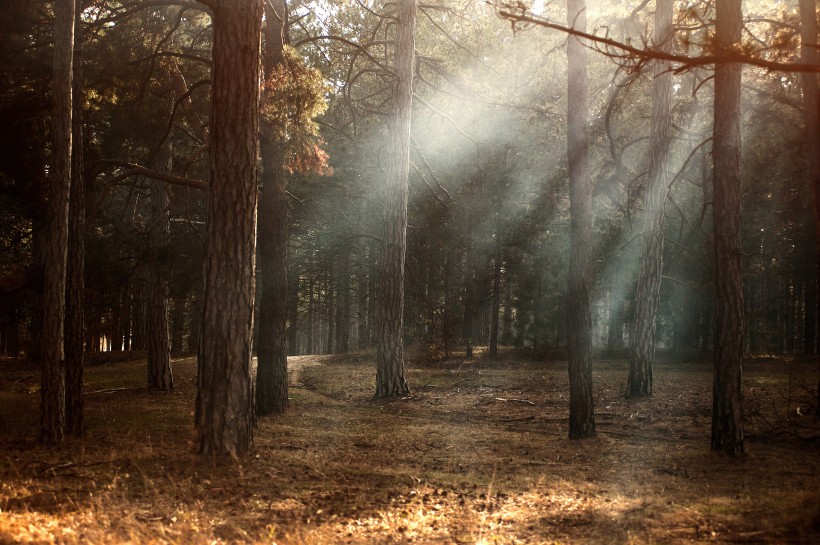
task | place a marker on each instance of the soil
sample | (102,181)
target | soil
(477,454)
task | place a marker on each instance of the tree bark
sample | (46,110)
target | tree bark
(811,110)
(390,381)
(272,367)
(642,349)
(581,410)
(727,408)
(160,375)
(75,273)
(52,405)
(224,407)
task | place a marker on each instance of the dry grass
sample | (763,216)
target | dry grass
(478,454)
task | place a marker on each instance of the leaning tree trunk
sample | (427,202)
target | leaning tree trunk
(52,404)
(642,350)
(390,381)
(75,273)
(581,410)
(224,407)
(272,366)
(811,109)
(727,408)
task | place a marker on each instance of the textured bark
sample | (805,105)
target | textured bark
(581,410)
(811,111)
(160,375)
(224,407)
(727,408)
(390,381)
(75,273)
(52,404)
(272,366)
(642,340)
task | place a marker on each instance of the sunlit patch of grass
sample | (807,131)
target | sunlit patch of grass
(477,454)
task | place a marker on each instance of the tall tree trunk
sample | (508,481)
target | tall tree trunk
(390,381)
(331,309)
(52,404)
(160,375)
(139,310)
(343,305)
(294,284)
(507,319)
(75,274)
(224,407)
(727,408)
(272,368)
(642,349)
(581,410)
(178,324)
(811,110)
(363,336)
(496,306)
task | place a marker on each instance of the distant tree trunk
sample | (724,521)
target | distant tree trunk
(496,308)
(648,293)
(139,310)
(160,375)
(361,298)
(581,410)
(52,404)
(311,348)
(224,406)
(507,318)
(343,306)
(294,284)
(727,409)
(75,274)
(272,369)
(331,309)
(811,110)
(178,324)
(390,381)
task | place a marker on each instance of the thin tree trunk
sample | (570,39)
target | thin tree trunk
(507,321)
(160,375)
(331,309)
(52,404)
(224,406)
(581,410)
(272,369)
(727,409)
(642,349)
(178,324)
(496,307)
(361,297)
(294,284)
(75,275)
(343,306)
(390,381)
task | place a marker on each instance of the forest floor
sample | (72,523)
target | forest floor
(477,454)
